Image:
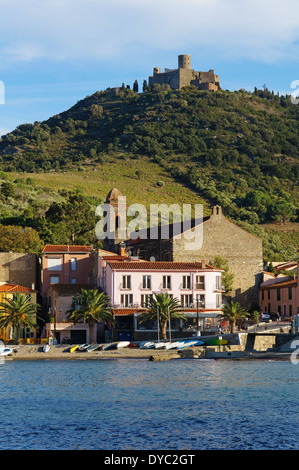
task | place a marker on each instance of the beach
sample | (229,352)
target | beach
(62,352)
(30,352)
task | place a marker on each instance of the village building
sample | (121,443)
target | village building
(279,294)
(130,283)
(67,264)
(21,269)
(8,291)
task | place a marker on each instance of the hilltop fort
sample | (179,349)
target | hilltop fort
(184,76)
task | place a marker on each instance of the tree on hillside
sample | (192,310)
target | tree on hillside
(135,86)
(19,239)
(75,216)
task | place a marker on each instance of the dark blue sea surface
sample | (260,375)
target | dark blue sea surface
(137,404)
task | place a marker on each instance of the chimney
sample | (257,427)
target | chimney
(203,264)
(122,249)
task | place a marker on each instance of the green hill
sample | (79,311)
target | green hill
(236,149)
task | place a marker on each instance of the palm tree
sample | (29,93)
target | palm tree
(164,307)
(18,312)
(91,306)
(232,312)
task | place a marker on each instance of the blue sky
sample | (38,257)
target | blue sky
(54,53)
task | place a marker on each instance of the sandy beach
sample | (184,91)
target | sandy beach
(28,352)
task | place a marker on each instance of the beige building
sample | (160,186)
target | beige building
(20,268)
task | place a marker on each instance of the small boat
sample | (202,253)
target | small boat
(92,347)
(122,344)
(83,347)
(147,345)
(5,351)
(133,345)
(189,344)
(215,342)
(46,348)
(172,345)
(74,348)
(161,345)
(109,346)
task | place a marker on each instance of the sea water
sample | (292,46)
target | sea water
(137,404)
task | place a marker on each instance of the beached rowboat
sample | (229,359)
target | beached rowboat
(74,348)
(122,344)
(46,348)
(83,347)
(92,347)
(5,351)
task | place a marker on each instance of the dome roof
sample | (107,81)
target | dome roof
(113,195)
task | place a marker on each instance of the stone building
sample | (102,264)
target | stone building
(242,250)
(21,269)
(184,76)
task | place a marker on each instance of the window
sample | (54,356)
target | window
(278,293)
(54,279)
(218,301)
(290,310)
(218,283)
(126,300)
(145,298)
(73,264)
(54,264)
(290,293)
(200,300)
(73,280)
(186,282)
(166,282)
(126,282)
(263,294)
(146,282)
(269,295)
(186,300)
(199,282)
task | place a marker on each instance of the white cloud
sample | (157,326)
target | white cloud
(264,30)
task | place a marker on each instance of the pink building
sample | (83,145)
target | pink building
(130,283)
(279,294)
(67,264)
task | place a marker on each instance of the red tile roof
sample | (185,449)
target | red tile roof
(158,266)
(67,249)
(15,288)
(287,283)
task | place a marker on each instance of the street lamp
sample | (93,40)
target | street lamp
(197,317)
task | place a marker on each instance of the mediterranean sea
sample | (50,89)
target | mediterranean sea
(138,404)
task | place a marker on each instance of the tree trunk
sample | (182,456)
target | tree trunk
(164,330)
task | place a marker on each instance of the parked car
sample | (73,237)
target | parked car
(265,317)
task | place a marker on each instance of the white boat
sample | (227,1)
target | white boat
(123,344)
(189,344)
(173,345)
(162,345)
(147,345)
(83,347)
(5,351)
(46,348)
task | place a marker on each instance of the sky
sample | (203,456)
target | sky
(54,53)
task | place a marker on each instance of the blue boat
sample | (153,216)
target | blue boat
(189,344)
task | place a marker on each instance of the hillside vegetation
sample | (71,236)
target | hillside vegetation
(236,149)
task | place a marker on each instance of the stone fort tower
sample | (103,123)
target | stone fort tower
(184,76)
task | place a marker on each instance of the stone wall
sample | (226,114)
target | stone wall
(20,268)
(242,250)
